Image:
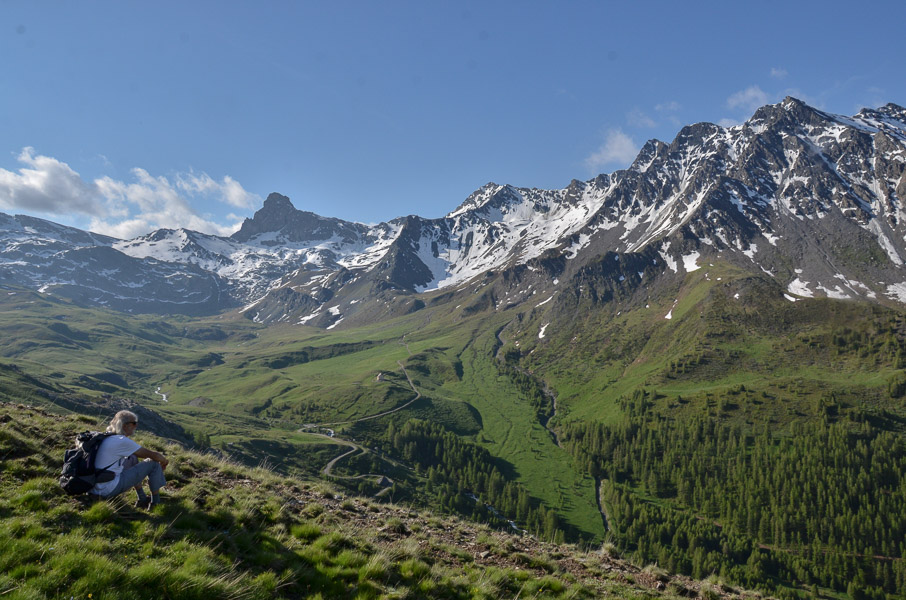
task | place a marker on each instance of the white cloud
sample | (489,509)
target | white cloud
(749,99)
(617,148)
(51,187)
(671,106)
(637,118)
(729,122)
(160,219)
(228,189)
(47,185)
(778,73)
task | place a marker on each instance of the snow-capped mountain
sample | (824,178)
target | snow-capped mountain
(86,267)
(813,200)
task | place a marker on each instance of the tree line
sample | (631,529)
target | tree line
(456,472)
(820,504)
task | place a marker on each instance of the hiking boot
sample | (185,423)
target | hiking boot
(143,503)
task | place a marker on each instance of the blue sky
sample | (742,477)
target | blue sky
(123,117)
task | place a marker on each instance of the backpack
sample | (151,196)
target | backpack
(79,473)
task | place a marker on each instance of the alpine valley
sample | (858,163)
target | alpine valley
(700,359)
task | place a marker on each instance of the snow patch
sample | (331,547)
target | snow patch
(671,262)
(313,315)
(837,292)
(541,332)
(545,302)
(897,291)
(669,315)
(888,246)
(690,262)
(573,250)
(800,288)
(856,286)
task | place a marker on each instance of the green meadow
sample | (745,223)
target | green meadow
(512,382)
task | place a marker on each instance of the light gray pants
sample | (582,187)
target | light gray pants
(131,477)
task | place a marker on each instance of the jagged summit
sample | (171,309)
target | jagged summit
(272,216)
(477,199)
(277,201)
(811,199)
(279,222)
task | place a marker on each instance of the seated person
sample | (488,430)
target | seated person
(120,455)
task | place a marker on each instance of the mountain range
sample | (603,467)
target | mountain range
(700,359)
(813,200)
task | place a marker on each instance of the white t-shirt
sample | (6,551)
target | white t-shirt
(113,452)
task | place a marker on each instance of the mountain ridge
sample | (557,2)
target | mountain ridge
(813,200)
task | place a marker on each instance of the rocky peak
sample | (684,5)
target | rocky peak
(690,135)
(789,115)
(894,111)
(574,191)
(277,202)
(478,198)
(651,151)
(279,222)
(273,216)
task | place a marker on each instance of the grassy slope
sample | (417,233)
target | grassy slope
(783,354)
(226,531)
(98,351)
(510,430)
(239,394)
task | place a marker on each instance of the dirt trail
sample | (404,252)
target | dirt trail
(385,413)
(328,468)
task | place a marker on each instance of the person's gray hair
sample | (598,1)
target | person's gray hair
(120,418)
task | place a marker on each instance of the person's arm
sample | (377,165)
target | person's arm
(155,456)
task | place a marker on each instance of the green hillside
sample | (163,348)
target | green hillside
(227,531)
(748,434)
(244,386)
(689,423)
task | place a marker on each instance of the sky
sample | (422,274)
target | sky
(125,117)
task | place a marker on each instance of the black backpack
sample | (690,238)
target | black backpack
(79,473)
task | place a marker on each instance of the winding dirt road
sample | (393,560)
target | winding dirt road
(328,468)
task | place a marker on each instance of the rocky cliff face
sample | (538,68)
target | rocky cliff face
(279,223)
(810,199)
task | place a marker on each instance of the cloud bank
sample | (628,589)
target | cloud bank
(618,148)
(49,186)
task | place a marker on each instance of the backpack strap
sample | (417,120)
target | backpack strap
(97,447)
